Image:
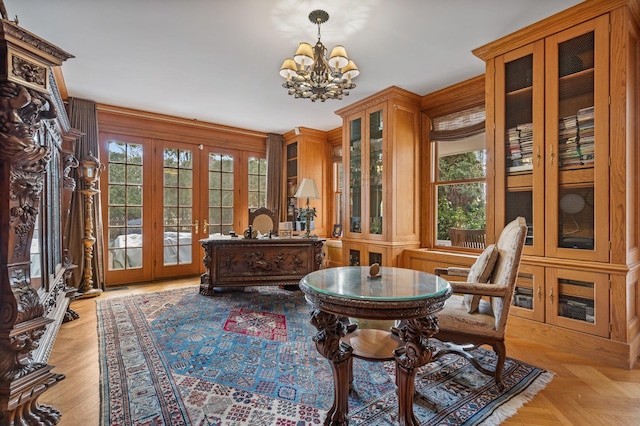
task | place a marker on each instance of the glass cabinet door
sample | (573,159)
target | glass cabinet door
(292,180)
(355,176)
(354,257)
(577,140)
(578,300)
(375,173)
(520,141)
(528,298)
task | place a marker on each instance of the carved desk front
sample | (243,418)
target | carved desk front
(239,262)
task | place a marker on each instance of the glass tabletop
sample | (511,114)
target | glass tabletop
(392,284)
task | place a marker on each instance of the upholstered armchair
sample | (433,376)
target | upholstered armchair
(477,313)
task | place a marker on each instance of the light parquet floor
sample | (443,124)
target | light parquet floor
(583,392)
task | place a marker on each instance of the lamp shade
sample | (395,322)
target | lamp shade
(288,68)
(338,58)
(351,70)
(304,54)
(308,189)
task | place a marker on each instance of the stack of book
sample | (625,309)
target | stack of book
(568,141)
(576,138)
(586,135)
(520,148)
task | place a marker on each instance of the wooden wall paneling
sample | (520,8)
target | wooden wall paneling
(159,126)
(334,137)
(405,174)
(427,195)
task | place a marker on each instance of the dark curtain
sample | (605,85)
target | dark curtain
(275,143)
(84,117)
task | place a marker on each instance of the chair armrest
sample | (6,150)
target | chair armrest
(452,271)
(479,288)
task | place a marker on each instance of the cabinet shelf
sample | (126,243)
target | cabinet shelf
(520,97)
(521,180)
(576,84)
(576,290)
(576,175)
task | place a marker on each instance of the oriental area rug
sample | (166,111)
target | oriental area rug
(247,358)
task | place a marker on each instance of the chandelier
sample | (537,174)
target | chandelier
(310,75)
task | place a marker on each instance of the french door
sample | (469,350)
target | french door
(160,198)
(177,209)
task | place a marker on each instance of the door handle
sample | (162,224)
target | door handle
(196,226)
(551,154)
(205,226)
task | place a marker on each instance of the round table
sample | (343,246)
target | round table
(394,294)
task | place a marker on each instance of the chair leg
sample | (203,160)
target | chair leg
(466,351)
(501,351)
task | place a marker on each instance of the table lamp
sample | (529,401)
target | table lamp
(308,190)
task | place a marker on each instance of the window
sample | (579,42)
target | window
(460,159)
(257,182)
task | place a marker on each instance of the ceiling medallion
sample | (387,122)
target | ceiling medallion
(310,75)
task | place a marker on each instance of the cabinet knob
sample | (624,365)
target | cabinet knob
(551,295)
(551,154)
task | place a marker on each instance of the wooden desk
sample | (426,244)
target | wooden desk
(239,262)
(398,293)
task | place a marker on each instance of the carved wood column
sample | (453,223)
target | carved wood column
(25,64)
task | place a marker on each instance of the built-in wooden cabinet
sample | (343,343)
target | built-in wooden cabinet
(573,299)
(562,117)
(552,155)
(551,141)
(307,154)
(381,173)
(562,106)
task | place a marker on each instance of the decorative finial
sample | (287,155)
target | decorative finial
(3,11)
(5,15)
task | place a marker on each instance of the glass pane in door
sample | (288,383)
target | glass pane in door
(124,210)
(375,173)
(524,292)
(354,257)
(178,206)
(257,182)
(355,173)
(576,300)
(519,141)
(576,142)
(220,193)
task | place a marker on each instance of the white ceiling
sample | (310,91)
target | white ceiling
(219,60)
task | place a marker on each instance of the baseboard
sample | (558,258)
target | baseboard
(618,354)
